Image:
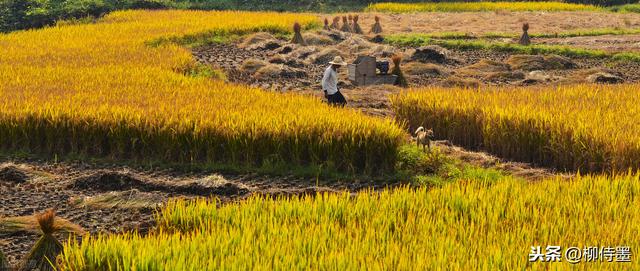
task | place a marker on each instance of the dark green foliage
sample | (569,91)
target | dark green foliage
(26,14)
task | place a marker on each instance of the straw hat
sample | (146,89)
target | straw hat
(338,61)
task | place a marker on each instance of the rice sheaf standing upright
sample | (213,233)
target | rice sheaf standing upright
(355,26)
(524,39)
(376,28)
(401,80)
(297,35)
(326,24)
(345,25)
(336,23)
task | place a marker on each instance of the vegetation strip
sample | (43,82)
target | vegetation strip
(392,229)
(478,6)
(109,94)
(567,34)
(425,39)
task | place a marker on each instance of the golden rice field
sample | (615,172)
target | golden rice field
(585,127)
(100,90)
(466,225)
(478,6)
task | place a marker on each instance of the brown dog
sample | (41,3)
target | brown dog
(423,137)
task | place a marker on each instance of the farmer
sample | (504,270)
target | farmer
(330,83)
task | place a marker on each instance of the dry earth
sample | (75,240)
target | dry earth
(477,23)
(609,43)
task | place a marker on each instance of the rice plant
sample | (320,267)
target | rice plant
(102,91)
(478,6)
(584,127)
(466,225)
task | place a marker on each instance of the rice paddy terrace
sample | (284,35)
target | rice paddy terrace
(196,140)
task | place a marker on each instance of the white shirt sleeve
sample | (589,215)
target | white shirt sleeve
(330,81)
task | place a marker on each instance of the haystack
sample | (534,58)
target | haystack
(345,25)
(401,80)
(485,66)
(315,39)
(355,27)
(336,23)
(376,28)
(278,59)
(257,38)
(538,62)
(525,40)
(326,55)
(297,35)
(277,71)
(356,45)
(417,68)
(252,65)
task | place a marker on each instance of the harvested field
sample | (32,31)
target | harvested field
(609,43)
(478,23)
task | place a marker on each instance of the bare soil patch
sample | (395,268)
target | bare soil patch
(477,23)
(609,43)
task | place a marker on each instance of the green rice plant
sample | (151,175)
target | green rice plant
(478,6)
(628,8)
(464,225)
(568,34)
(584,127)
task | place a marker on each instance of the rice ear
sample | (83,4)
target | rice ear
(47,221)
